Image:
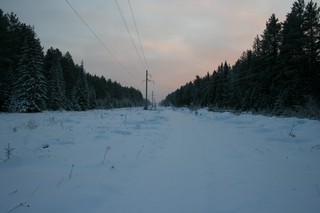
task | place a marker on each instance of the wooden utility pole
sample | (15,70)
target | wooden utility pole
(146,103)
(152,100)
(154,103)
(147,80)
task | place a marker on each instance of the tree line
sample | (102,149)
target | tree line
(33,81)
(280,75)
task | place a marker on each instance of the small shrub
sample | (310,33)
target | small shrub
(8,151)
(105,154)
(32,124)
(52,120)
(291,132)
(71,170)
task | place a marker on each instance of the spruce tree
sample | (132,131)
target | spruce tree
(311,28)
(30,87)
(12,34)
(268,70)
(257,48)
(70,76)
(5,62)
(56,84)
(292,61)
(92,98)
(81,97)
(293,37)
(271,40)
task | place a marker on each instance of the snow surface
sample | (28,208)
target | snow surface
(170,160)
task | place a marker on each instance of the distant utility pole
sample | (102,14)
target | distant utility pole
(154,104)
(147,80)
(152,100)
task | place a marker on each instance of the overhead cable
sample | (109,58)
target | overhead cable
(100,41)
(127,28)
(135,25)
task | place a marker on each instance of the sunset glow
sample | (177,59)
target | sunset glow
(181,39)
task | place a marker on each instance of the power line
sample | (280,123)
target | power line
(135,25)
(127,28)
(97,37)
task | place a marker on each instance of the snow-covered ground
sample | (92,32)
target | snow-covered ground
(130,160)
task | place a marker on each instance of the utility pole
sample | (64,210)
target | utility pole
(147,80)
(154,103)
(152,100)
(146,103)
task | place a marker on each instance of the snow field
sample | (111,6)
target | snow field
(130,160)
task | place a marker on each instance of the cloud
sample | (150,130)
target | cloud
(181,39)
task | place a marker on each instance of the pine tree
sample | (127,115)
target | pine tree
(312,32)
(30,88)
(312,48)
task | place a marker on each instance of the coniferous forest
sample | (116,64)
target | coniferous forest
(33,81)
(280,75)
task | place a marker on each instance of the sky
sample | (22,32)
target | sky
(180,38)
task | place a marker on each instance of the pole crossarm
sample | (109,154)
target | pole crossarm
(146,81)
